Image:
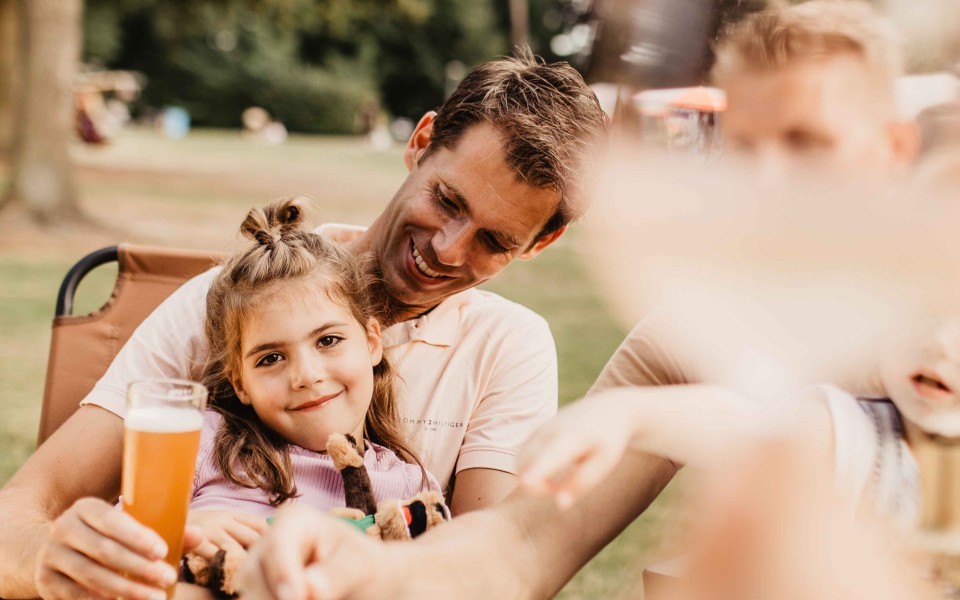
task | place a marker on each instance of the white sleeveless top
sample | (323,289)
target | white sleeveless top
(872,457)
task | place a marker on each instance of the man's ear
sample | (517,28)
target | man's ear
(904,139)
(419,140)
(541,244)
(374,341)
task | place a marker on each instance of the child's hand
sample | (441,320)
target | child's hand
(576,450)
(227,530)
(583,444)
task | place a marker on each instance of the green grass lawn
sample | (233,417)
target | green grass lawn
(194,192)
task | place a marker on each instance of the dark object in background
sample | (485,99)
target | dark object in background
(939,127)
(643,44)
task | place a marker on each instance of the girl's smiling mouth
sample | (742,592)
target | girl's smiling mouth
(316,403)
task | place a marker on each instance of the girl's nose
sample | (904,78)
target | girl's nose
(306,372)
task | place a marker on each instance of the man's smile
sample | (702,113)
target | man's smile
(421,269)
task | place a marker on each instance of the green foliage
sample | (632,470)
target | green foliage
(414,53)
(310,63)
(216,59)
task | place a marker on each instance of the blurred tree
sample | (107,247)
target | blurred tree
(519,19)
(10,40)
(216,58)
(421,55)
(42,179)
(311,63)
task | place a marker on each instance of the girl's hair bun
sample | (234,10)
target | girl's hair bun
(269,225)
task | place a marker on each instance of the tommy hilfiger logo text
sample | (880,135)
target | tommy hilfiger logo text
(433,423)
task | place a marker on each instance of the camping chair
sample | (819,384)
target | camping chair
(83,346)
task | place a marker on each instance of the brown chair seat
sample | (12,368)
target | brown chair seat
(83,346)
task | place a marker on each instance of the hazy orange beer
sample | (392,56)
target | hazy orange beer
(160,439)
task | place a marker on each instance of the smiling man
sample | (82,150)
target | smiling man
(494,176)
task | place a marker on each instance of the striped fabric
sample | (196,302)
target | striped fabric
(872,456)
(318,482)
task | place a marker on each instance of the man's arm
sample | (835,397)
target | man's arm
(480,488)
(81,459)
(55,512)
(524,547)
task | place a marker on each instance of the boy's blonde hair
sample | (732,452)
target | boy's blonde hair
(284,259)
(781,36)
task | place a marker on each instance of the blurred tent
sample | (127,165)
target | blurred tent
(679,120)
(702,99)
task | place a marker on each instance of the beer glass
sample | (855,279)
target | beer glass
(160,439)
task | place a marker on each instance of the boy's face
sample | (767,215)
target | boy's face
(922,375)
(822,115)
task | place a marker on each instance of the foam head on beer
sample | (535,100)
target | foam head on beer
(163,419)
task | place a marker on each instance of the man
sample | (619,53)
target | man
(810,90)
(494,176)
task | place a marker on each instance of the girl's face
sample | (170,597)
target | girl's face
(307,368)
(922,375)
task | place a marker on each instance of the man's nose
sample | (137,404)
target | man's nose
(451,244)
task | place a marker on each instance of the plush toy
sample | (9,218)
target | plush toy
(390,520)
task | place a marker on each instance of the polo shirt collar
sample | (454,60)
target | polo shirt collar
(439,327)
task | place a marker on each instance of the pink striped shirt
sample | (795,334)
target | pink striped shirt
(318,481)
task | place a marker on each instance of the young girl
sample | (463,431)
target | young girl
(870,441)
(295,355)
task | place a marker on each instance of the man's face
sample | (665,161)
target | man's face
(823,115)
(459,218)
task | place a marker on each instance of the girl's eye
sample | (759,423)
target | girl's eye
(269,359)
(328,341)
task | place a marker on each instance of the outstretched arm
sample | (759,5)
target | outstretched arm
(524,547)
(683,423)
(58,535)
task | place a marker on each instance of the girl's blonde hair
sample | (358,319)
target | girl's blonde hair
(282,256)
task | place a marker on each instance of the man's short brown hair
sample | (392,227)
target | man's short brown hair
(551,122)
(820,29)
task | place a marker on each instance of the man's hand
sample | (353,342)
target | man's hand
(306,555)
(91,543)
(227,530)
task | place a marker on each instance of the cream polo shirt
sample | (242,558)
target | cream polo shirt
(478,372)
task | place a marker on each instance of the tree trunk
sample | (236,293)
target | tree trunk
(42,180)
(9,73)
(519,28)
